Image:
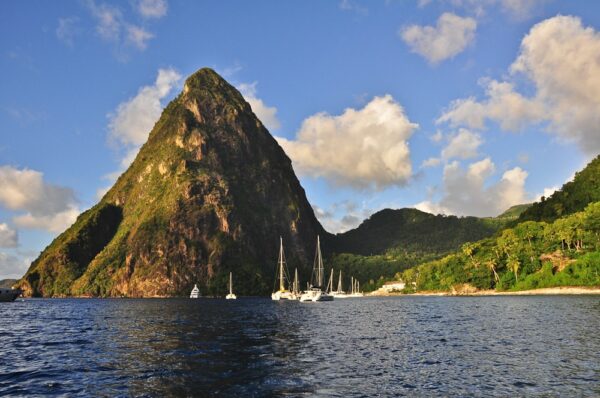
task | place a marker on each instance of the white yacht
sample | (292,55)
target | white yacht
(315,292)
(9,294)
(282,275)
(195,292)
(231,296)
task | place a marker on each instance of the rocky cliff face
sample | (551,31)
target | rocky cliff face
(210,192)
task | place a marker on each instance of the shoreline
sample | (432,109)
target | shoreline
(561,290)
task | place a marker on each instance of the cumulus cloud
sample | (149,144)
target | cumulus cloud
(359,148)
(152,8)
(45,206)
(12,267)
(431,162)
(266,114)
(451,35)
(468,192)
(517,9)
(462,145)
(131,123)
(8,236)
(559,58)
(341,216)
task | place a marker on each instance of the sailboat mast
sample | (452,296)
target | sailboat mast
(296,281)
(319,263)
(339,289)
(230,283)
(281,284)
(351,284)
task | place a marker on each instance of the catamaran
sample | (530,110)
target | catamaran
(9,294)
(195,292)
(282,293)
(315,292)
(231,296)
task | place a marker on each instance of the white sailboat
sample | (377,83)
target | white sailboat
(356,289)
(296,286)
(195,293)
(339,293)
(231,296)
(316,292)
(282,293)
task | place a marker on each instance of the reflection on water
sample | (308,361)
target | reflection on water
(416,346)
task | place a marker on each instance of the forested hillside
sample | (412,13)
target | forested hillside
(551,251)
(574,196)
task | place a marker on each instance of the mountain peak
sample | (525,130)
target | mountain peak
(210,192)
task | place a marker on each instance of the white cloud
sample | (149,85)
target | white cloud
(113,27)
(468,192)
(509,108)
(462,145)
(451,35)
(131,123)
(45,206)
(437,137)
(8,236)
(67,30)
(559,57)
(341,216)
(152,8)
(354,6)
(109,20)
(12,267)
(56,222)
(431,162)
(138,37)
(359,148)
(266,114)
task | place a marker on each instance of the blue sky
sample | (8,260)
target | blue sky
(455,106)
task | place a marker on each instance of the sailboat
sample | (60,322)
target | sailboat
(296,286)
(195,293)
(315,292)
(356,289)
(231,296)
(282,293)
(339,293)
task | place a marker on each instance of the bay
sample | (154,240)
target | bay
(392,346)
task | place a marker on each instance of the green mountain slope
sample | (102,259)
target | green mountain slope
(555,251)
(7,283)
(574,196)
(210,192)
(414,231)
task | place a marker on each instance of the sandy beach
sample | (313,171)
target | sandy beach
(563,290)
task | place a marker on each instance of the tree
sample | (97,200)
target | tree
(514,264)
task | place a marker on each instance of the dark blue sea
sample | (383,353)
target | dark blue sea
(400,346)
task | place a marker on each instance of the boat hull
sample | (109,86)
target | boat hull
(315,296)
(231,296)
(7,295)
(283,295)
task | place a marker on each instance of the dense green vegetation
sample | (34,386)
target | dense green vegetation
(411,230)
(574,196)
(530,255)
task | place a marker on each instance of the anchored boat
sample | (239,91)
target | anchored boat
(282,275)
(195,293)
(231,296)
(315,292)
(9,294)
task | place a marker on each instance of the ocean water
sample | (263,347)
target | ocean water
(411,346)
